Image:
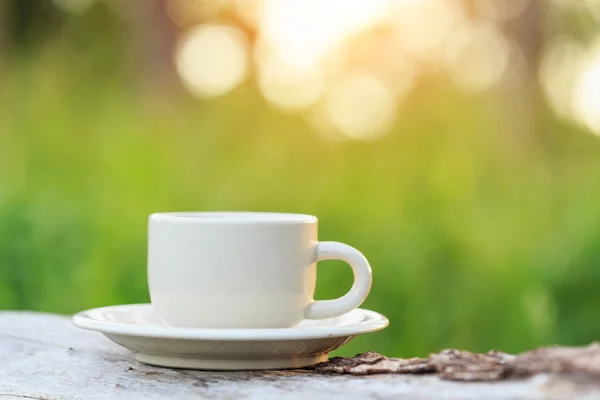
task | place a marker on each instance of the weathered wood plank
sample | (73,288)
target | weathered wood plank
(43,357)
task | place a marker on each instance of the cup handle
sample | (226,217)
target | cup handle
(360,288)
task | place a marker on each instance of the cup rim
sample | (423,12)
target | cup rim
(233,217)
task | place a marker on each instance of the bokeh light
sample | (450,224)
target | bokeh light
(477,56)
(301,48)
(398,72)
(360,107)
(289,87)
(303,32)
(559,69)
(501,10)
(212,59)
(423,39)
(586,101)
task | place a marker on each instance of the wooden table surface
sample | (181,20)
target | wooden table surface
(42,356)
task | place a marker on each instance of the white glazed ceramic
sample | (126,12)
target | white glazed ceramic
(244,270)
(153,341)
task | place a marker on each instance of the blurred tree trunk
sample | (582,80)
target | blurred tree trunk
(526,31)
(520,104)
(154,39)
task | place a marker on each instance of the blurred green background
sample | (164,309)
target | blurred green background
(478,205)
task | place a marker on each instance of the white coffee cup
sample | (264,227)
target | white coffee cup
(244,269)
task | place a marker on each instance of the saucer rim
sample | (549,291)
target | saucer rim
(375,322)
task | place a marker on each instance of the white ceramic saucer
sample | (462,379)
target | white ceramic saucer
(152,341)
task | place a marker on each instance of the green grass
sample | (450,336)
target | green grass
(478,239)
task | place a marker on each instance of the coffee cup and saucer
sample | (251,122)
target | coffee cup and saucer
(234,291)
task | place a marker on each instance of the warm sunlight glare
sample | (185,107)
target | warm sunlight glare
(477,56)
(398,73)
(304,32)
(288,87)
(559,70)
(212,59)
(360,106)
(422,26)
(586,101)
(247,10)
